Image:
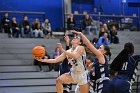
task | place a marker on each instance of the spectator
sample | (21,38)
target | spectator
(36,29)
(15,28)
(46,26)
(6,25)
(25,27)
(56,53)
(94,11)
(40,64)
(105,26)
(114,37)
(103,40)
(102,31)
(87,24)
(94,26)
(70,22)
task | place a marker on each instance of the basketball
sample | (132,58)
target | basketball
(38,52)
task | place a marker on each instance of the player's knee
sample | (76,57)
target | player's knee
(58,80)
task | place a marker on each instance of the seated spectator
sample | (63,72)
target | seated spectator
(56,53)
(46,26)
(70,22)
(15,28)
(36,29)
(103,40)
(25,27)
(94,26)
(86,25)
(40,64)
(101,31)
(94,41)
(6,25)
(105,26)
(114,37)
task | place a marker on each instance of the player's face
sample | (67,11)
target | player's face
(76,40)
(101,48)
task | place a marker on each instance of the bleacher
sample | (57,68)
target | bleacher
(19,75)
(17,72)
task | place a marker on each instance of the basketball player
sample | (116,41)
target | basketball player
(99,74)
(76,57)
(125,64)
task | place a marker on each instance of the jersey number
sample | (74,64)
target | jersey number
(125,66)
(74,62)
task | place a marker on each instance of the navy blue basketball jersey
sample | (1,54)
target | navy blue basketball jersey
(126,76)
(99,70)
(129,68)
(64,67)
(99,77)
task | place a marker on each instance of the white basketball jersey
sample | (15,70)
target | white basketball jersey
(78,65)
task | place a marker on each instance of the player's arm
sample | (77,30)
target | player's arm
(67,40)
(98,54)
(76,54)
(89,65)
(56,60)
(137,58)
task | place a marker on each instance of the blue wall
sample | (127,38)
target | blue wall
(138,1)
(52,8)
(108,7)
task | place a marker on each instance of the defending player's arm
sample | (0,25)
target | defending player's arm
(98,54)
(56,60)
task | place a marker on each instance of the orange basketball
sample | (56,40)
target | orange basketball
(38,52)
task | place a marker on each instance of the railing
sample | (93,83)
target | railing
(24,13)
(119,16)
(103,17)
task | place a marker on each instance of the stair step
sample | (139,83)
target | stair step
(29,75)
(6,69)
(3,35)
(16,62)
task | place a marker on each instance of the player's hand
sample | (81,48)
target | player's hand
(76,32)
(67,39)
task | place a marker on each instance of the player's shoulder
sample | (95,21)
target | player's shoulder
(136,57)
(81,47)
